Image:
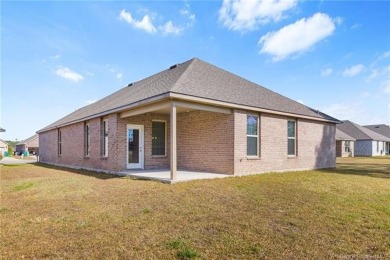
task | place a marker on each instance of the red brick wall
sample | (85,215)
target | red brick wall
(73,146)
(315,145)
(205,142)
(151,162)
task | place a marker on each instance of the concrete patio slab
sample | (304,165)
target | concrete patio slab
(164,175)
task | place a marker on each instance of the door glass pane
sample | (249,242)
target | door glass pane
(133,145)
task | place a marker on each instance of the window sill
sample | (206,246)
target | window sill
(86,157)
(159,156)
(291,156)
(253,158)
(104,157)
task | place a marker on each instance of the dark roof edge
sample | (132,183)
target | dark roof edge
(107,112)
(174,95)
(246,107)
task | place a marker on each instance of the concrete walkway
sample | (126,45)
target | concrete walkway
(12,160)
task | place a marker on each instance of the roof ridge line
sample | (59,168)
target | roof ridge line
(174,85)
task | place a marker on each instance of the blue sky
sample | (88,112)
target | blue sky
(59,56)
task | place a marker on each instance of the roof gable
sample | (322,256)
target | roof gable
(359,132)
(194,78)
(380,129)
(340,135)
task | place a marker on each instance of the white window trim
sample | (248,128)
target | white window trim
(165,137)
(293,138)
(105,143)
(257,136)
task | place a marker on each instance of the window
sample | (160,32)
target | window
(158,138)
(252,135)
(87,139)
(347,146)
(377,146)
(291,138)
(59,142)
(105,138)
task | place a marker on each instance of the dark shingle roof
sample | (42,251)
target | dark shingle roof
(194,78)
(340,135)
(359,132)
(380,129)
(31,138)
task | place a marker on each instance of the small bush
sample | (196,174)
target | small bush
(175,244)
(187,253)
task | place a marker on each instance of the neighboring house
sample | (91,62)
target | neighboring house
(3,147)
(192,116)
(345,144)
(31,145)
(368,143)
(383,130)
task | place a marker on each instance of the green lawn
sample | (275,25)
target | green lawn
(49,212)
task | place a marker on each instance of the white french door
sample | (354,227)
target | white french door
(135,147)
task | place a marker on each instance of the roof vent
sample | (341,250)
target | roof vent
(173,66)
(131,84)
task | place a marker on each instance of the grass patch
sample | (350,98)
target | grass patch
(187,253)
(76,214)
(23,186)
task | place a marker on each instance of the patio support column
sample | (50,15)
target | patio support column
(173,125)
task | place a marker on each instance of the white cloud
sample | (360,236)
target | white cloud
(386,86)
(244,15)
(187,12)
(55,57)
(144,24)
(297,37)
(344,111)
(90,74)
(67,73)
(91,101)
(326,72)
(170,28)
(119,75)
(353,71)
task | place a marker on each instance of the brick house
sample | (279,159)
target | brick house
(345,144)
(368,143)
(30,144)
(383,130)
(192,116)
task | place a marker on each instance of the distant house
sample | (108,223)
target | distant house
(345,144)
(368,143)
(3,147)
(383,130)
(31,145)
(196,117)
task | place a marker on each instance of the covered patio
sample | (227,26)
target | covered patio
(186,169)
